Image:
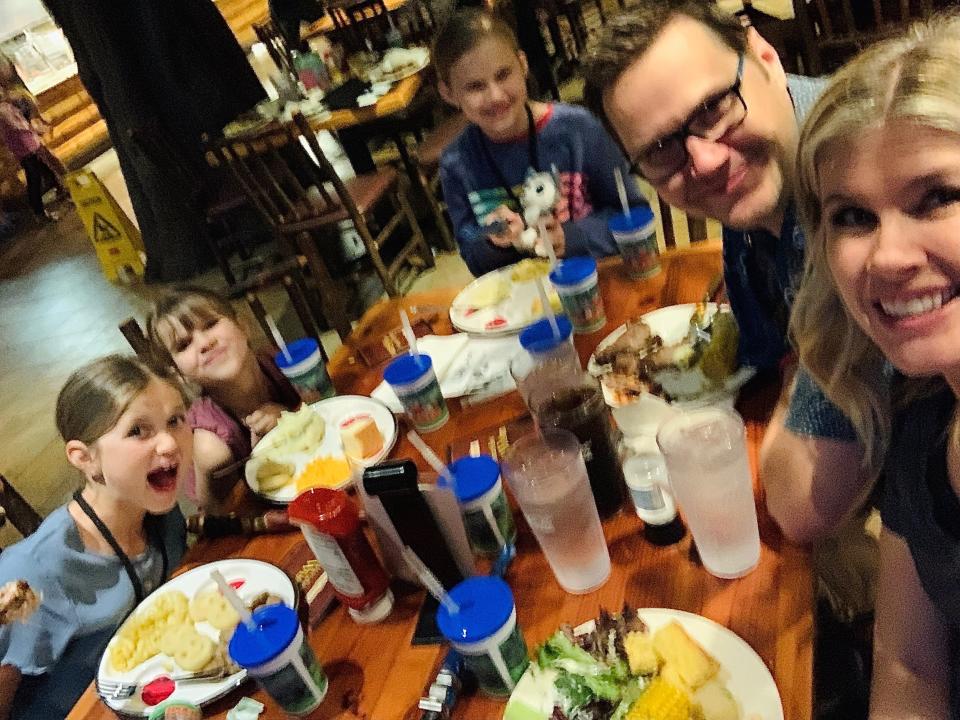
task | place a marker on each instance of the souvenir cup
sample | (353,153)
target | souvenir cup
(485,632)
(576,282)
(305,368)
(636,238)
(275,653)
(415,383)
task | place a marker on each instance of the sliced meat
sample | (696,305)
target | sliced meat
(637,339)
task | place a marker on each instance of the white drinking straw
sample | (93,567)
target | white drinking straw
(547,308)
(429,580)
(408,333)
(278,338)
(231,595)
(431,457)
(547,245)
(621,191)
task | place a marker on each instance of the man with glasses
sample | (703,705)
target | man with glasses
(705,112)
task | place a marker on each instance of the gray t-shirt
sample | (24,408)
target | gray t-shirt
(85,598)
(811,413)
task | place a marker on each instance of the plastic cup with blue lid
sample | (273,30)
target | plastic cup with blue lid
(275,653)
(636,238)
(486,633)
(548,358)
(305,367)
(539,338)
(577,284)
(483,504)
(415,383)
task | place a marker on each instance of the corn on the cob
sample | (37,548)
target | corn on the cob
(660,701)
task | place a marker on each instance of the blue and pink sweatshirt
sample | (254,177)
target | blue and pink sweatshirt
(569,138)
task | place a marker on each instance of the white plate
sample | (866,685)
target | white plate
(672,323)
(511,315)
(333,411)
(250,577)
(742,671)
(420,56)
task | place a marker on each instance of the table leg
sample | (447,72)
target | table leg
(354,142)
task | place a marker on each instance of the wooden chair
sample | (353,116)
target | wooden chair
(678,228)
(269,34)
(553,10)
(833,31)
(17,511)
(357,20)
(289,274)
(417,22)
(291,189)
(131,330)
(429,152)
(674,227)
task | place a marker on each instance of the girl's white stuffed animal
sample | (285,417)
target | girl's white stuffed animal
(540,194)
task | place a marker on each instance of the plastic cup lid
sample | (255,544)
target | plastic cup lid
(485,606)
(573,270)
(300,351)
(539,337)
(407,369)
(640,217)
(276,627)
(474,476)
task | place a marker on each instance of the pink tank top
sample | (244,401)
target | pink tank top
(206,414)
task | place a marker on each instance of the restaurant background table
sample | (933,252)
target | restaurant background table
(376,674)
(392,115)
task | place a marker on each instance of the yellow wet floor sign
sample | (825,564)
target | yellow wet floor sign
(115,238)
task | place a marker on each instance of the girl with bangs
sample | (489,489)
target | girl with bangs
(879,195)
(242,392)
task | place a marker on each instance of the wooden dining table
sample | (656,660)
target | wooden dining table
(388,117)
(376,673)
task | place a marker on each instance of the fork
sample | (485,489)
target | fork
(116,690)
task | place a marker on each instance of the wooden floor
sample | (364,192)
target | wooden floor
(57,313)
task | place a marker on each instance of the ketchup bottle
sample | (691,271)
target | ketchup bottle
(331,526)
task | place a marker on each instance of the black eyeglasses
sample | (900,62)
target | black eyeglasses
(716,116)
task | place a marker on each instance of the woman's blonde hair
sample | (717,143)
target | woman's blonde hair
(914,78)
(95,396)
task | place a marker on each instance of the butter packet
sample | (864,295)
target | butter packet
(246,709)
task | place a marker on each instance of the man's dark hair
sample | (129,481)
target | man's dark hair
(629,35)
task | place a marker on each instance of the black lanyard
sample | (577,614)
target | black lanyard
(112,541)
(531,149)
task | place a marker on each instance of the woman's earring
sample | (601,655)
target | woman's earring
(98,478)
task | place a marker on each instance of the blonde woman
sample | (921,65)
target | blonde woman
(879,194)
